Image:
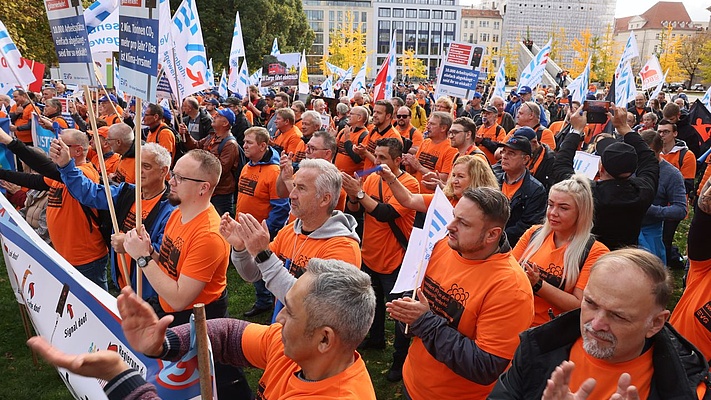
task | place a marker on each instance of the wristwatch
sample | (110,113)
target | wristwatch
(262,256)
(143,261)
(360,195)
(537,286)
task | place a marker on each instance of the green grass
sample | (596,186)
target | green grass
(21,379)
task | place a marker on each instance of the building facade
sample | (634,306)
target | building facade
(538,20)
(483,27)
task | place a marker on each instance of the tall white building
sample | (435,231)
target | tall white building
(540,19)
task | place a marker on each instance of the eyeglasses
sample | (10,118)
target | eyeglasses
(529,107)
(664,131)
(179,178)
(453,132)
(401,116)
(311,149)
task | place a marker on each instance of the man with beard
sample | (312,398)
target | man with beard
(616,346)
(191,265)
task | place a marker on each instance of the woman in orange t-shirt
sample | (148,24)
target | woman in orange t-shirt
(468,172)
(558,255)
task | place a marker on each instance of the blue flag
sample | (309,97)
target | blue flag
(7,158)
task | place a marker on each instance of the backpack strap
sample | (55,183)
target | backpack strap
(399,235)
(682,153)
(411,132)
(224,142)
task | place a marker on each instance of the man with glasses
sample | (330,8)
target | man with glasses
(257,195)
(435,155)
(552,106)
(529,115)
(158,131)
(461,137)
(191,265)
(404,126)
(310,123)
(120,138)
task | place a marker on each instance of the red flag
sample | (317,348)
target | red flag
(379,85)
(38,72)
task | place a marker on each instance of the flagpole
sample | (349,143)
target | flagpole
(105,178)
(177,88)
(107,96)
(139,197)
(203,351)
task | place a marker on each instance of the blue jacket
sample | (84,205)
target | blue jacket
(92,195)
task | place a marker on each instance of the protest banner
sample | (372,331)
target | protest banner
(456,76)
(71,41)
(77,316)
(281,70)
(586,164)
(138,48)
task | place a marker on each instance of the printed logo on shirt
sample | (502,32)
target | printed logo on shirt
(54,199)
(552,275)
(427,160)
(170,254)
(372,142)
(447,303)
(130,221)
(261,387)
(248,184)
(703,315)
(296,267)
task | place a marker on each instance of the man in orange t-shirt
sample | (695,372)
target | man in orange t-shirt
(529,115)
(111,158)
(404,127)
(21,116)
(474,301)
(158,131)
(287,137)
(191,266)
(354,134)
(310,354)
(386,229)
(120,138)
(489,134)
(618,338)
(435,155)
(382,128)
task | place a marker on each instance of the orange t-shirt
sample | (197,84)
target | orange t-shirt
(299,249)
(381,251)
(435,157)
(510,189)
(197,250)
(550,262)
(166,138)
(248,114)
(24,119)
(373,138)
(494,133)
(110,163)
(289,140)
(607,374)
(130,223)
(688,166)
(61,122)
(263,348)
(257,186)
(556,126)
(343,161)
(415,135)
(692,314)
(488,301)
(111,119)
(300,151)
(72,236)
(547,137)
(705,178)
(125,170)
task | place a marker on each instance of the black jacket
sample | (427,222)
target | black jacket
(544,172)
(528,206)
(688,134)
(620,204)
(205,124)
(679,367)
(241,125)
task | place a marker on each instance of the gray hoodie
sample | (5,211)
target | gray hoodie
(277,278)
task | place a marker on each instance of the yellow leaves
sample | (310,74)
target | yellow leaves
(668,54)
(412,66)
(346,46)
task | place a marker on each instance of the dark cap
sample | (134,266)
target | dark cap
(518,143)
(490,109)
(214,102)
(111,97)
(526,132)
(233,101)
(617,157)
(524,90)
(476,95)
(271,94)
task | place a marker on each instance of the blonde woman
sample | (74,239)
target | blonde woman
(468,172)
(557,256)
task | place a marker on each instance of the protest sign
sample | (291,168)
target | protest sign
(281,70)
(138,48)
(71,41)
(586,164)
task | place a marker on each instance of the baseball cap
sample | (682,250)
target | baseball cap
(490,109)
(524,90)
(233,101)
(271,94)
(227,113)
(617,157)
(526,132)
(167,115)
(110,97)
(518,143)
(514,92)
(476,95)
(214,102)
(103,131)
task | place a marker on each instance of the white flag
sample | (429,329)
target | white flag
(579,87)
(256,78)
(630,50)
(533,74)
(624,82)
(189,49)
(97,12)
(359,81)
(237,48)
(500,80)
(303,75)
(210,76)
(275,48)
(651,73)
(13,71)
(222,88)
(327,87)
(706,100)
(347,75)
(239,79)
(658,90)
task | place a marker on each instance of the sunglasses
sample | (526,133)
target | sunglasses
(399,116)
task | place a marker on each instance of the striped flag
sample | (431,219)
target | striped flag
(210,75)
(385,80)
(13,70)
(327,87)
(347,75)
(222,88)
(237,48)
(500,80)
(275,48)
(256,78)
(359,81)
(190,49)
(97,12)
(533,74)
(579,87)
(706,100)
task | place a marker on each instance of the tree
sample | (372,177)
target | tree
(412,67)
(583,50)
(346,46)
(27,23)
(511,60)
(691,54)
(668,54)
(605,55)
(559,46)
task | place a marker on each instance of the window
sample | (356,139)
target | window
(436,27)
(484,24)
(383,12)
(316,26)
(398,13)
(397,26)
(495,38)
(422,43)
(410,26)
(384,26)
(424,26)
(314,15)
(449,28)
(466,24)
(411,13)
(471,38)
(451,15)
(436,14)
(496,24)
(424,14)
(484,37)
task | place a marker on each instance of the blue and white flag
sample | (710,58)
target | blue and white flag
(97,12)
(256,78)
(500,80)
(237,48)
(579,87)
(222,88)
(706,100)
(275,48)
(190,49)
(631,51)
(117,81)
(338,73)
(327,87)
(347,75)
(658,89)
(210,74)
(533,74)
(41,137)
(13,70)
(625,89)
(359,81)
(239,79)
